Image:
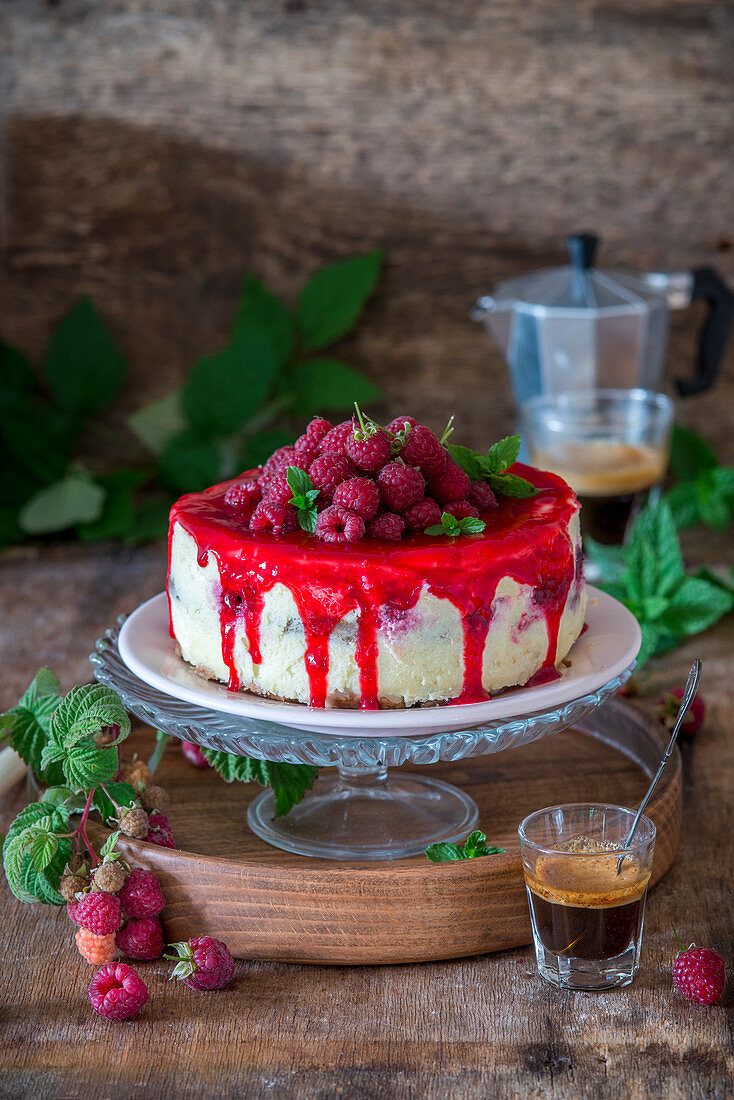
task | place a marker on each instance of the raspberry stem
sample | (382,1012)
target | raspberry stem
(162,741)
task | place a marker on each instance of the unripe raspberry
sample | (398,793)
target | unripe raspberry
(109,877)
(137,772)
(71,885)
(134,823)
(154,798)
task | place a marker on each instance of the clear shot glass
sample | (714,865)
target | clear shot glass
(587,919)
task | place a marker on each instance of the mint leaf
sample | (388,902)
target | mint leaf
(84,712)
(334,297)
(304,497)
(718,577)
(190,463)
(158,422)
(502,454)
(474,846)
(323,384)
(84,366)
(289,782)
(454,527)
(444,852)
(225,390)
(696,605)
(609,560)
(74,499)
(123,794)
(470,461)
(682,500)
(260,310)
(690,454)
(510,485)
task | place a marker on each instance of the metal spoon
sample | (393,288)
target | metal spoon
(694,678)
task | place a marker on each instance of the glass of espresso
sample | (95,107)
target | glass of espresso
(611,446)
(587,918)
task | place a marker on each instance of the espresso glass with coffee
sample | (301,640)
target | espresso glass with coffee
(587,911)
(611,446)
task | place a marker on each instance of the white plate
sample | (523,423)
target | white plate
(604,650)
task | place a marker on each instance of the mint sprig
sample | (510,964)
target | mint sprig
(492,466)
(304,497)
(648,576)
(705,490)
(474,846)
(454,527)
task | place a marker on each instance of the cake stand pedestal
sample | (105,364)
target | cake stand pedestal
(364,811)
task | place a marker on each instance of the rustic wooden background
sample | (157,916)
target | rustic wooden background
(154,151)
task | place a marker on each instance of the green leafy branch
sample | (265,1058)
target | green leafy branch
(649,577)
(289,782)
(493,467)
(234,409)
(705,489)
(474,846)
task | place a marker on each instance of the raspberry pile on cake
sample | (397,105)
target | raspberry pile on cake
(370,565)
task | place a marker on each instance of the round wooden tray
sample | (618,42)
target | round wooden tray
(270,904)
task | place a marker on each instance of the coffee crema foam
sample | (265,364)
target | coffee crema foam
(591,883)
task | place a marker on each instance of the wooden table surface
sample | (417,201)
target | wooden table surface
(476,1027)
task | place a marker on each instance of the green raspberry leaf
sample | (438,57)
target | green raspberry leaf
(43,848)
(84,366)
(86,765)
(261,311)
(225,390)
(25,881)
(289,782)
(158,422)
(26,727)
(117,518)
(189,463)
(123,794)
(85,711)
(74,499)
(107,849)
(333,299)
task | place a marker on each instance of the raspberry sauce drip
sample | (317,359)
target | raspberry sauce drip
(523,539)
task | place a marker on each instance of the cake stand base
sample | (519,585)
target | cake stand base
(367,813)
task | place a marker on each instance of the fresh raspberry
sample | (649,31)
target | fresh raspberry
(371,452)
(160,832)
(337,524)
(154,798)
(109,877)
(358,494)
(71,909)
(335,441)
(137,771)
(317,428)
(141,939)
(461,509)
(422,448)
(276,518)
(278,490)
(481,496)
(117,992)
(398,424)
(203,963)
(698,974)
(305,451)
(71,885)
(424,514)
(134,822)
(328,471)
(141,896)
(194,755)
(452,484)
(243,495)
(388,526)
(400,486)
(99,913)
(95,949)
(669,706)
(279,460)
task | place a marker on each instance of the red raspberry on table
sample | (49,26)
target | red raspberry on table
(388,526)
(461,509)
(278,519)
(278,490)
(141,896)
(337,524)
(369,452)
(358,494)
(317,428)
(398,424)
(400,486)
(669,706)
(424,514)
(329,470)
(194,755)
(422,448)
(481,496)
(141,939)
(117,992)
(99,913)
(699,975)
(203,963)
(243,494)
(335,440)
(95,949)
(452,484)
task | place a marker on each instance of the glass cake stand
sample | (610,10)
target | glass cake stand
(361,811)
